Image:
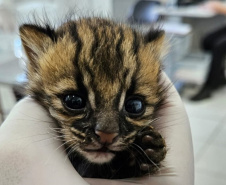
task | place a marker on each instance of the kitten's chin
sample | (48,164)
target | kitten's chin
(99,157)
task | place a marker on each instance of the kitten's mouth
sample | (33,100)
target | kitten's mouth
(102,149)
(100,156)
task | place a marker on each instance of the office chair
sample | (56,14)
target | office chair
(143,12)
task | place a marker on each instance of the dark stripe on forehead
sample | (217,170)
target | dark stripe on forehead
(74,34)
(119,43)
(79,81)
(98,98)
(78,76)
(135,44)
(132,87)
(108,25)
(125,74)
(95,40)
(135,48)
(113,33)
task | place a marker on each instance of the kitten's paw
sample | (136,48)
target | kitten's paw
(152,150)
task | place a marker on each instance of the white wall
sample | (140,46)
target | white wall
(99,7)
(117,9)
(121,9)
(103,6)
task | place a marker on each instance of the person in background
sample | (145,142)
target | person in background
(215,43)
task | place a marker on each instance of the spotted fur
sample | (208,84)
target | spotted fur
(106,63)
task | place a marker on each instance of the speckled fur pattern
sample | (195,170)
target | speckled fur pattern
(106,63)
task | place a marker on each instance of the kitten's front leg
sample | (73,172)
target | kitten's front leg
(149,150)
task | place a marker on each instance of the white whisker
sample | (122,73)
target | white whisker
(146,155)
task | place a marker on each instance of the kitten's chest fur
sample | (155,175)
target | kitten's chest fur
(100,81)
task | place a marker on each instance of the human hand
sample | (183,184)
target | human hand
(215,6)
(32,152)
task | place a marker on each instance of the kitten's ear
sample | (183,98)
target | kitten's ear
(154,35)
(155,38)
(36,40)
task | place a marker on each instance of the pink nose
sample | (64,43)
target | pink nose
(106,137)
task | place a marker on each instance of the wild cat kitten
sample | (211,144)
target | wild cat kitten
(100,81)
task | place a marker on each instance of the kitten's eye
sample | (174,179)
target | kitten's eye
(74,102)
(134,106)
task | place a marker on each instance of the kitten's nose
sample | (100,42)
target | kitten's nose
(106,137)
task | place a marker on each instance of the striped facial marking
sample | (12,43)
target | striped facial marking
(94,76)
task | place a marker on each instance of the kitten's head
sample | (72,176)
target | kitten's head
(98,79)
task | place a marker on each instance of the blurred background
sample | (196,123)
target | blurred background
(193,67)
